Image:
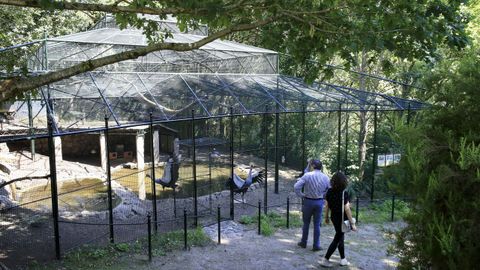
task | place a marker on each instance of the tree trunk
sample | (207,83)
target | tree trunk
(362,143)
(363,118)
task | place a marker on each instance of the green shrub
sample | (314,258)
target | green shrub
(440,165)
(246,220)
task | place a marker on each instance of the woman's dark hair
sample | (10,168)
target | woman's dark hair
(339,181)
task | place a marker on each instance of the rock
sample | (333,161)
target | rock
(5,168)
(130,165)
(4,148)
(38,221)
(138,211)
(5,202)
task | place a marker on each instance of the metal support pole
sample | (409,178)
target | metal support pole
(345,162)
(259,217)
(357,208)
(30,126)
(288,213)
(285,138)
(53,187)
(339,133)
(265,159)
(154,188)
(408,114)
(374,160)
(185,228)
(232,205)
(149,222)
(210,180)
(277,123)
(218,226)
(304,153)
(174,203)
(194,171)
(109,180)
(240,132)
(393,207)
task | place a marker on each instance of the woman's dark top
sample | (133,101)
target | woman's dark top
(334,199)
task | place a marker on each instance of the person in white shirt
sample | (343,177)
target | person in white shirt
(315,184)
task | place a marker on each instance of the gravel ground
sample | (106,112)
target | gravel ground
(242,248)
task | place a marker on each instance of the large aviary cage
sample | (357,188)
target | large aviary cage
(132,111)
(169,84)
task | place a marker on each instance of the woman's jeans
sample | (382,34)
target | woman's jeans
(312,208)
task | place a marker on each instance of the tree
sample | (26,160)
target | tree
(441,171)
(22,25)
(306,29)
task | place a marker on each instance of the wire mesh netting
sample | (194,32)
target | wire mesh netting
(26,224)
(169,84)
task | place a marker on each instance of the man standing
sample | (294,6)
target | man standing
(315,185)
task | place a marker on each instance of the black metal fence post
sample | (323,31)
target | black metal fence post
(339,142)
(109,180)
(185,229)
(265,159)
(374,159)
(393,207)
(345,162)
(277,127)
(53,187)
(357,208)
(154,188)
(194,171)
(288,212)
(149,222)
(259,217)
(218,226)
(232,205)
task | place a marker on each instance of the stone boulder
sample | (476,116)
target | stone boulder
(5,202)
(4,148)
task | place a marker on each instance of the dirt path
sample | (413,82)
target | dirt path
(366,249)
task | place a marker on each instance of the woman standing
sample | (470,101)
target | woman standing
(334,203)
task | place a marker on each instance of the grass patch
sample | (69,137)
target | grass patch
(382,212)
(89,257)
(167,242)
(126,255)
(246,220)
(271,222)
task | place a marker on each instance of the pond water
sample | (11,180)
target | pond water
(88,194)
(210,178)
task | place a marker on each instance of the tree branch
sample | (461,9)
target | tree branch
(115,8)
(11,87)
(23,178)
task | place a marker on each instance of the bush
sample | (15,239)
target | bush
(440,165)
